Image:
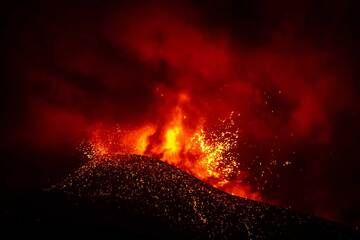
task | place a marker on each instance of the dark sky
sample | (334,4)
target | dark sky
(67,65)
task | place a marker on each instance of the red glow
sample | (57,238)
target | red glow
(168,81)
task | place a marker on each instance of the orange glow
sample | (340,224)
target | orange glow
(139,138)
(173,139)
(206,155)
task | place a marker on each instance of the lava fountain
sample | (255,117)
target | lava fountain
(208,153)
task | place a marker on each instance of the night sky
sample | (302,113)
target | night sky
(287,68)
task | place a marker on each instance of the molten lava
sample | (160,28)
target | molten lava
(208,154)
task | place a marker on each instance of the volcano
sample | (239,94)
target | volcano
(138,196)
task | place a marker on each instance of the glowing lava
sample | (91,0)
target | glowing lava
(207,154)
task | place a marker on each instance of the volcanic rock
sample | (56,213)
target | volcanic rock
(143,197)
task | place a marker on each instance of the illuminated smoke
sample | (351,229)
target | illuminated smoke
(159,79)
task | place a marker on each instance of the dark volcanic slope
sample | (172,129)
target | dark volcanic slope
(145,197)
(186,204)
